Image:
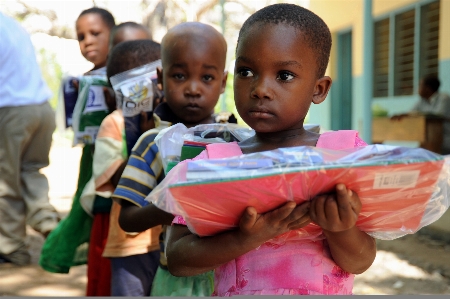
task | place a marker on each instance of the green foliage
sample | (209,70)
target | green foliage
(379,111)
(51,72)
(228,97)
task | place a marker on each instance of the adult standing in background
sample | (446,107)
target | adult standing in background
(27,123)
(433,102)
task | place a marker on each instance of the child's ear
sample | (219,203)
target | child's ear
(224,81)
(322,87)
(159,73)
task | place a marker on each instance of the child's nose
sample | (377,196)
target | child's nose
(192,88)
(89,39)
(261,89)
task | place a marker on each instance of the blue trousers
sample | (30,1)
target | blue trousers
(133,275)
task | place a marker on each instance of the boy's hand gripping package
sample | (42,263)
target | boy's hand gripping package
(401,189)
(136,91)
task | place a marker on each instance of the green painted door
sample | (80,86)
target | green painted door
(341,101)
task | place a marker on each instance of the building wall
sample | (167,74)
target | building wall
(385,6)
(444,46)
(344,14)
(339,16)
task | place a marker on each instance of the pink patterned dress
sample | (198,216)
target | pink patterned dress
(285,265)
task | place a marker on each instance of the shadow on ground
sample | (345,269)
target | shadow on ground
(32,280)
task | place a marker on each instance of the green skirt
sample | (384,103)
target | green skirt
(165,284)
(67,245)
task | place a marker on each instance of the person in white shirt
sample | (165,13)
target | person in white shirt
(27,123)
(432,102)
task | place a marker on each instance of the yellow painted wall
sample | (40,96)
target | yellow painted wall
(444,30)
(338,14)
(344,14)
(385,6)
(341,15)
(331,71)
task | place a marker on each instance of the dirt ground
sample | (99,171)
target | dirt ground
(414,264)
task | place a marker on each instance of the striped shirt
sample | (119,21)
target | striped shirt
(144,169)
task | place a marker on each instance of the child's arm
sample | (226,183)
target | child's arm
(108,161)
(116,176)
(188,254)
(138,219)
(352,250)
(142,173)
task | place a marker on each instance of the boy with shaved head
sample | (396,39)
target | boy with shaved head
(193,62)
(192,77)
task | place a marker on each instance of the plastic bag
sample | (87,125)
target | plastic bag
(401,189)
(170,140)
(90,109)
(67,99)
(136,90)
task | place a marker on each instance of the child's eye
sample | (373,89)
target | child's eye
(94,33)
(80,37)
(245,73)
(208,78)
(178,76)
(285,76)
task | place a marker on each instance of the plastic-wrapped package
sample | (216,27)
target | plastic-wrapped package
(136,90)
(90,108)
(401,189)
(67,98)
(69,92)
(170,141)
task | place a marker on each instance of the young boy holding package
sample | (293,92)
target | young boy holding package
(133,257)
(66,246)
(193,61)
(98,201)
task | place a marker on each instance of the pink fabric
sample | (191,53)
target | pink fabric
(339,139)
(295,267)
(222,150)
(359,142)
(179,220)
(291,267)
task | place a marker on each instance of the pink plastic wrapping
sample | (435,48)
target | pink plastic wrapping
(401,189)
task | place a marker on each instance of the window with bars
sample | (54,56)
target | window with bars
(429,35)
(381,59)
(405,51)
(404,54)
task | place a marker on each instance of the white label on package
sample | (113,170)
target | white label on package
(131,108)
(138,91)
(88,136)
(95,100)
(398,179)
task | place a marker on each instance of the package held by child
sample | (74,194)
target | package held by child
(401,189)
